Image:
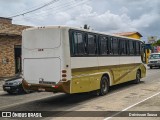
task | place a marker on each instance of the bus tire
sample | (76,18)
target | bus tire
(104,86)
(138,77)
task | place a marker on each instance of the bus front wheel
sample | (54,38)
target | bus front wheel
(104,86)
(138,77)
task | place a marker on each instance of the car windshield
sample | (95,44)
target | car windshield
(154,56)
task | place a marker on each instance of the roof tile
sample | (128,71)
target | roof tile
(128,33)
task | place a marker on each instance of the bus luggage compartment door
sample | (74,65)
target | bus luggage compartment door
(42,70)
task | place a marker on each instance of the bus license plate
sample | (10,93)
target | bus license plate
(41,89)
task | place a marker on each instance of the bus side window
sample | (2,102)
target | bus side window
(91,44)
(110,41)
(134,47)
(122,49)
(115,42)
(138,47)
(127,47)
(79,45)
(131,47)
(103,45)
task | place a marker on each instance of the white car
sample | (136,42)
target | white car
(154,60)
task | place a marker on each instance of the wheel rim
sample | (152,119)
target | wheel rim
(104,86)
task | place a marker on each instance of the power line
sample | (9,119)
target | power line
(57,8)
(20,11)
(45,5)
(61,7)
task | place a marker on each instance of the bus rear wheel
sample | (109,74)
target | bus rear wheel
(104,86)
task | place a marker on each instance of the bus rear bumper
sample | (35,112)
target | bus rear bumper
(59,87)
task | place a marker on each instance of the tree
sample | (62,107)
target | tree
(156,43)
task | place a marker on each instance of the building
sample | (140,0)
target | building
(10,47)
(152,39)
(136,35)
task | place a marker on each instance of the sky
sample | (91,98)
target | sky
(111,16)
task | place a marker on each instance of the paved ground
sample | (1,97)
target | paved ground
(125,97)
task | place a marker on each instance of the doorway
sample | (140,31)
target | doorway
(17,57)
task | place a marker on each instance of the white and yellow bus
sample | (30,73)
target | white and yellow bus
(74,60)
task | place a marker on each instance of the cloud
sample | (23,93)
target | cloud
(106,21)
(106,16)
(61,18)
(146,20)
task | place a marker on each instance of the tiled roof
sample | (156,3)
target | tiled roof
(128,33)
(11,29)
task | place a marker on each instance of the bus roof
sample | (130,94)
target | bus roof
(81,29)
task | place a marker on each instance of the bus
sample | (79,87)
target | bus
(75,60)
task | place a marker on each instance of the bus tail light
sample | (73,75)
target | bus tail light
(56,86)
(64,71)
(64,79)
(64,75)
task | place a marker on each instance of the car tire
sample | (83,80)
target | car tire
(9,92)
(151,67)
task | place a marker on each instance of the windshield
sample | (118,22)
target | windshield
(154,56)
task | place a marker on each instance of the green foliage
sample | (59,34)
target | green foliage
(157,43)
